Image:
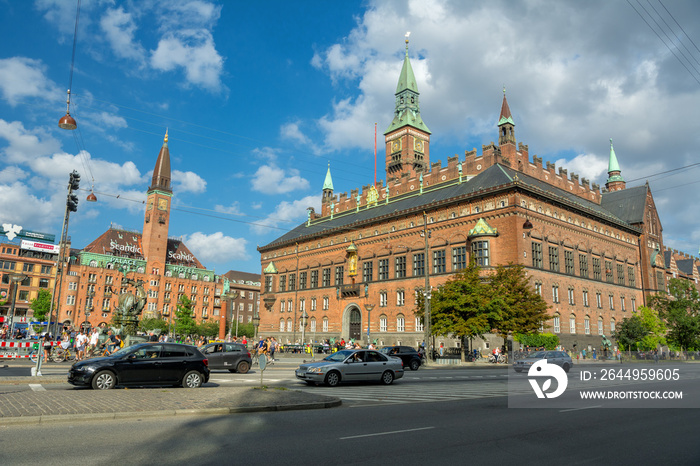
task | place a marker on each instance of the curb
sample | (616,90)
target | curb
(165,413)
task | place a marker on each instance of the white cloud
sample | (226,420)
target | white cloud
(270,179)
(184,182)
(216,248)
(23,145)
(22,77)
(233,209)
(266,153)
(193,51)
(293,132)
(286,214)
(119,28)
(39,213)
(589,166)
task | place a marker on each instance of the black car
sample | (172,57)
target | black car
(410,357)
(143,364)
(232,356)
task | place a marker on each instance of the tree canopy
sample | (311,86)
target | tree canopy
(680,309)
(41,305)
(184,322)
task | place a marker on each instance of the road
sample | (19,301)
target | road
(429,417)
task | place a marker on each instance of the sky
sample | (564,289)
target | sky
(258,98)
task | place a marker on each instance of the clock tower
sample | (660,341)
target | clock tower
(155,226)
(407,139)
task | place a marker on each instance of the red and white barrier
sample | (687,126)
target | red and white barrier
(20,344)
(16,344)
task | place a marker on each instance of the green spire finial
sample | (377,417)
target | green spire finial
(328,183)
(408,33)
(613,166)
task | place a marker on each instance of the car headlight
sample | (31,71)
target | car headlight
(316,370)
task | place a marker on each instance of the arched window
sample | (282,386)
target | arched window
(325,324)
(612,325)
(289,325)
(572,324)
(382,323)
(400,323)
(600,326)
(281,325)
(556,324)
(312,324)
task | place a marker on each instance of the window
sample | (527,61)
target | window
(312,324)
(439,261)
(302,305)
(268,284)
(608,272)
(43,283)
(292,281)
(281,325)
(382,299)
(326,302)
(326,277)
(72,286)
(622,303)
(400,323)
(290,306)
(612,302)
(70,300)
(583,265)
(367,272)
(620,274)
(537,255)
(612,325)
(660,281)
(554,258)
(596,268)
(289,325)
(325,324)
(400,298)
(302,280)
(555,324)
(382,323)
(555,293)
(569,262)
(600,326)
(633,303)
(459,258)
(598,301)
(572,324)
(45,269)
(383,269)
(585,298)
(418,264)
(401,267)
(30,268)
(419,324)
(313,304)
(282,306)
(339,273)
(630,276)
(571,296)
(283,282)
(538,288)
(587,326)
(314,279)
(480,252)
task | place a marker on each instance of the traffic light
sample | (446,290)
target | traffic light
(74,181)
(72,203)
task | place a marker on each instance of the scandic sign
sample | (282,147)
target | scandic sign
(41,247)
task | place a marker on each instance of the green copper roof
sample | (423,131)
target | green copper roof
(407,111)
(506,116)
(328,183)
(504,120)
(613,166)
(482,229)
(270,268)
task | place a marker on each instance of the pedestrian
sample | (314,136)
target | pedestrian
(80,341)
(442,349)
(47,346)
(94,338)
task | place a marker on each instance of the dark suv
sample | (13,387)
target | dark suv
(143,364)
(410,357)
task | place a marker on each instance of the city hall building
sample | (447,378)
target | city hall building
(354,269)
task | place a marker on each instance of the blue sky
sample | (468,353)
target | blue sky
(258,98)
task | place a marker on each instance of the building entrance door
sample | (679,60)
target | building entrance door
(355,324)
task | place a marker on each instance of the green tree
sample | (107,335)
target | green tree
(41,305)
(151,324)
(184,322)
(208,329)
(548,340)
(462,306)
(630,333)
(521,309)
(656,329)
(680,309)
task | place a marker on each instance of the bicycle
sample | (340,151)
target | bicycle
(59,354)
(502,359)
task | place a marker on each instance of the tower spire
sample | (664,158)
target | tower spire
(161,172)
(506,126)
(615,181)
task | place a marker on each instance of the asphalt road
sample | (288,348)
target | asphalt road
(476,431)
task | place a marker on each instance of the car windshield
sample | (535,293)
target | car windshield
(537,355)
(123,352)
(338,356)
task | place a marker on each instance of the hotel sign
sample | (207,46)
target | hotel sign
(41,247)
(16,231)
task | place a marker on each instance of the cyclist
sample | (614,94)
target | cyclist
(112,344)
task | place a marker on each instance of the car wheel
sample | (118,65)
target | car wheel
(387,377)
(192,379)
(103,380)
(565,367)
(415,364)
(333,379)
(242,367)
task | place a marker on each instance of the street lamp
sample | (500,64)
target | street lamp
(231,295)
(368,308)
(15,278)
(256,322)
(304,318)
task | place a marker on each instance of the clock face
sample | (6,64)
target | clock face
(418,145)
(162,204)
(150,205)
(396,145)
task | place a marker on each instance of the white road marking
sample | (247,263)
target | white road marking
(387,433)
(37,387)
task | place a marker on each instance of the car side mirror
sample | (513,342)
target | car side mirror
(131,356)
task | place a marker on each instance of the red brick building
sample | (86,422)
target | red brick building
(356,267)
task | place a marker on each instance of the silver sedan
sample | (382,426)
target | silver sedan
(351,366)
